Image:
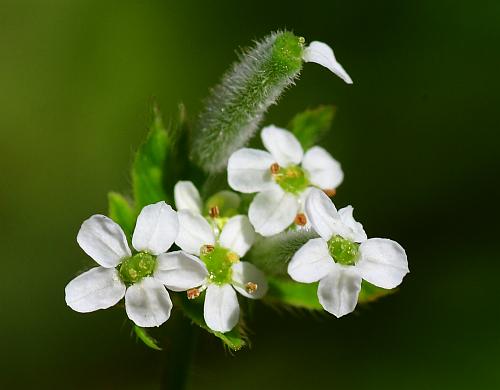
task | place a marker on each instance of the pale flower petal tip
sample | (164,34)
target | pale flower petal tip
(187,196)
(282,144)
(322,54)
(156,228)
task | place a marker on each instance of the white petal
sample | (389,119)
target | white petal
(194,232)
(103,240)
(322,54)
(357,233)
(338,291)
(323,215)
(243,273)
(147,303)
(156,228)
(249,170)
(186,196)
(180,271)
(283,145)
(221,310)
(237,235)
(96,289)
(382,262)
(311,262)
(323,170)
(272,211)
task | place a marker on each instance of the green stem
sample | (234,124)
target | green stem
(179,354)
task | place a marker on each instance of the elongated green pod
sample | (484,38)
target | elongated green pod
(236,106)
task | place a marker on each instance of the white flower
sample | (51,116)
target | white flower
(213,264)
(282,176)
(121,274)
(343,255)
(322,54)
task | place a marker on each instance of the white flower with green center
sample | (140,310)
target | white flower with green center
(137,277)
(282,176)
(217,209)
(215,263)
(343,256)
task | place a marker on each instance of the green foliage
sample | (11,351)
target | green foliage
(272,254)
(193,309)
(236,106)
(120,211)
(284,291)
(311,125)
(143,335)
(148,165)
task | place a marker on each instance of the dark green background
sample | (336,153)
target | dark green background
(417,135)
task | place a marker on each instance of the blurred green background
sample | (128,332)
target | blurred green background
(417,135)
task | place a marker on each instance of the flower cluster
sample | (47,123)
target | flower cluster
(199,248)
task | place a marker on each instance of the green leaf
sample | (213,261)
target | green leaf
(193,309)
(149,164)
(272,254)
(120,211)
(304,295)
(288,292)
(236,106)
(149,341)
(311,125)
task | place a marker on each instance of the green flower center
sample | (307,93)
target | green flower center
(137,267)
(343,251)
(219,262)
(291,179)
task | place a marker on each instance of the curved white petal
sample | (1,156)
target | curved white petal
(245,272)
(311,262)
(156,228)
(249,170)
(180,271)
(221,310)
(323,215)
(357,233)
(96,289)
(338,291)
(194,232)
(382,262)
(283,145)
(103,239)
(186,196)
(237,235)
(322,54)
(323,170)
(272,211)
(147,303)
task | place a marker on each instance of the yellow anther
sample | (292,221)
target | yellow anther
(300,219)
(330,192)
(275,168)
(251,287)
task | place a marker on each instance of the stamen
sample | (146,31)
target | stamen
(206,249)
(232,257)
(330,192)
(193,293)
(251,287)
(275,168)
(214,212)
(300,219)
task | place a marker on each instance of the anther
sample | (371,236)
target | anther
(193,293)
(300,219)
(214,212)
(330,192)
(206,249)
(275,168)
(251,287)
(232,257)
